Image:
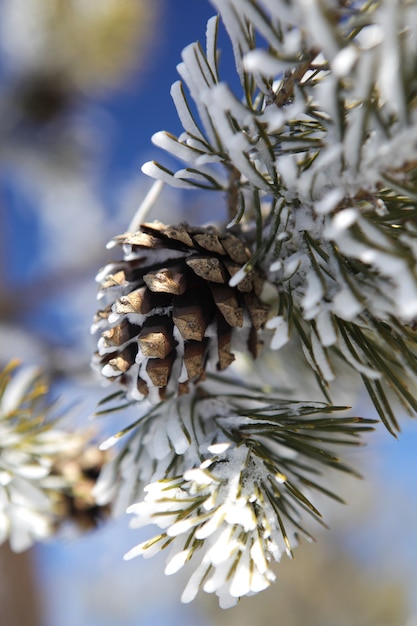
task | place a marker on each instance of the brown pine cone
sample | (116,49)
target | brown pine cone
(171,312)
(74,501)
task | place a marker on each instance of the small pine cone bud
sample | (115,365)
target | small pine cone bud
(170,311)
(75,503)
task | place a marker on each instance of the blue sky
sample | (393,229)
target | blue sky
(144,106)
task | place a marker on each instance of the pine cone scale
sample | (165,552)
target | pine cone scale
(195,353)
(228,304)
(159,370)
(155,339)
(209,268)
(141,301)
(224,339)
(190,318)
(176,233)
(235,249)
(210,242)
(123,361)
(167,280)
(257,310)
(118,335)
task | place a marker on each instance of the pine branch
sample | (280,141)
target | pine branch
(228,463)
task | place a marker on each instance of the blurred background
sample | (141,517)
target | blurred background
(83,86)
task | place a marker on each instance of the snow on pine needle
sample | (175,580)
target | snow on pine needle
(317,155)
(219,512)
(229,478)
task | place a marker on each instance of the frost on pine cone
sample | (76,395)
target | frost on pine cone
(181,300)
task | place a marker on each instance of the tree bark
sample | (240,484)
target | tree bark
(19,601)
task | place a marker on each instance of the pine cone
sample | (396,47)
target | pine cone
(171,311)
(75,503)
